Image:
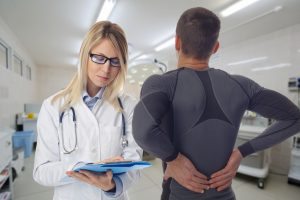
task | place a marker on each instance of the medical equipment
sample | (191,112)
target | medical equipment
(294,172)
(257,164)
(62,132)
(294,83)
(124,141)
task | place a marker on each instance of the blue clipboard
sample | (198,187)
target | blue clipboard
(115,167)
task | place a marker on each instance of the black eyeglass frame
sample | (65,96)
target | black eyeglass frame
(111,60)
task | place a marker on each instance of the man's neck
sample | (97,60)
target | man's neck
(192,63)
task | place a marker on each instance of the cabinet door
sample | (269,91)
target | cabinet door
(255,160)
(5,149)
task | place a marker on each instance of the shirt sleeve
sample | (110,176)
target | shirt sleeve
(270,104)
(155,102)
(118,189)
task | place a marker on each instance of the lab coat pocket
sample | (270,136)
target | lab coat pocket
(111,142)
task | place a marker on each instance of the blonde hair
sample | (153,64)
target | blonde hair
(99,31)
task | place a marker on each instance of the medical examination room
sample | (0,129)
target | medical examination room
(150,99)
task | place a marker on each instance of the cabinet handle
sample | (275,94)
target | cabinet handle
(8,143)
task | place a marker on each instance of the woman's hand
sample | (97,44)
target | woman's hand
(223,178)
(184,172)
(103,181)
(112,159)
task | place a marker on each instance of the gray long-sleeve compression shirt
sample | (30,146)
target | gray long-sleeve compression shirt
(207,109)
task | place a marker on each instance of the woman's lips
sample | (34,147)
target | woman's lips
(103,78)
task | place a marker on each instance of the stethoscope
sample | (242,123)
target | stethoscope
(124,141)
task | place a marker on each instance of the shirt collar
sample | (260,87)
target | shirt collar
(98,95)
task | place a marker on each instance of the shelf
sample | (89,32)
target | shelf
(4,175)
(255,172)
(252,129)
(6,184)
(296,152)
(5,195)
(29,120)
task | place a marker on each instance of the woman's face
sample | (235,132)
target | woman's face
(103,65)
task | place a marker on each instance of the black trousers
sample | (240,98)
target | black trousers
(165,185)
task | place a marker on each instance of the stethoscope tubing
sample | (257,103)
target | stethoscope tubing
(124,142)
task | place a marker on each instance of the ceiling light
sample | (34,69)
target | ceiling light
(129,76)
(277,8)
(155,71)
(106,9)
(273,10)
(145,69)
(141,57)
(141,82)
(247,61)
(236,7)
(134,71)
(281,65)
(165,44)
(134,56)
(132,81)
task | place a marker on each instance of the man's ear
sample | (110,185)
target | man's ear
(177,43)
(216,47)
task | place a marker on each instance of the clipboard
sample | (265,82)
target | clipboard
(116,167)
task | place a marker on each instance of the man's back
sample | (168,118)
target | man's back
(207,112)
(207,107)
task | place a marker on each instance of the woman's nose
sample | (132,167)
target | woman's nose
(106,66)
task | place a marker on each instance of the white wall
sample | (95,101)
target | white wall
(51,80)
(279,47)
(132,90)
(14,89)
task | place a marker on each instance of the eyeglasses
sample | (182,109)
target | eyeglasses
(101,59)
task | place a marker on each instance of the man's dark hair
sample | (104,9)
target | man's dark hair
(198,29)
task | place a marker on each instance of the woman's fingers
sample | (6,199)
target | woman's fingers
(113,159)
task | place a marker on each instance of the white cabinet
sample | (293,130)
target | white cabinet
(256,164)
(294,172)
(5,163)
(30,125)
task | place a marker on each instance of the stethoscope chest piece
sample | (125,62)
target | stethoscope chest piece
(124,142)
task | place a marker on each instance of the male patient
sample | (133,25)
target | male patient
(207,105)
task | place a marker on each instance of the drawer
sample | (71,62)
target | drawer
(295,160)
(5,149)
(255,160)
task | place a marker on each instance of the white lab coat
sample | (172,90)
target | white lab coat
(99,137)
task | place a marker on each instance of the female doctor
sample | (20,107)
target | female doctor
(89,121)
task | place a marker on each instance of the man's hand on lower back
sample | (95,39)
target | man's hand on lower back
(183,171)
